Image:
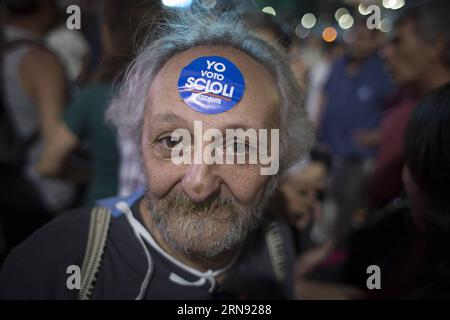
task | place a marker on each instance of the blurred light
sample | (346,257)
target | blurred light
(209,4)
(346,21)
(177,3)
(340,12)
(398,4)
(393,4)
(301,32)
(348,36)
(363,10)
(329,34)
(388,4)
(386,25)
(309,20)
(269,10)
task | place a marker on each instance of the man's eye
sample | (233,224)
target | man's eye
(239,146)
(168,143)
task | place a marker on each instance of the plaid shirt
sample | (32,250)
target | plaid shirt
(131,173)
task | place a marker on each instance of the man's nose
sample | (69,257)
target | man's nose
(199,182)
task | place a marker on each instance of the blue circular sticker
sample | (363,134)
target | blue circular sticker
(211,84)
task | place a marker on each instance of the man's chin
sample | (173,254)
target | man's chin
(202,231)
(201,239)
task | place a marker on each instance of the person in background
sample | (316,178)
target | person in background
(409,241)
(350,108)
(413,248)
(426,176)
(73,50)
(353,100)
(268,28)
(34,93)
(297,199)
(83,121)
(317,76)
(272,30)
(418,57)
(300,187)
(406,236)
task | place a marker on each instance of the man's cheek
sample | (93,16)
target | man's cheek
(162,176)
(245,182)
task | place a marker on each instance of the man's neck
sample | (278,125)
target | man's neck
(198,263)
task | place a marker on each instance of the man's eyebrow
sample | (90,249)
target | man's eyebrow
(236,126)
(167,117)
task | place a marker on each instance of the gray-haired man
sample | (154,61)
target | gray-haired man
(198,229)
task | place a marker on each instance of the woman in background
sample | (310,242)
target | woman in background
(426,177)
(83,122)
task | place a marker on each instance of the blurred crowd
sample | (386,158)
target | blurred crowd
(373,190)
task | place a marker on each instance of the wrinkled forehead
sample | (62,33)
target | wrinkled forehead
(258,106)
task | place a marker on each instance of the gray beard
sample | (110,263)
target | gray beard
(207,229)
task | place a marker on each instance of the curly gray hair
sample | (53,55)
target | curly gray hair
(185,29)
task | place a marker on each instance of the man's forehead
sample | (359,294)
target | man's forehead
(260,98)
